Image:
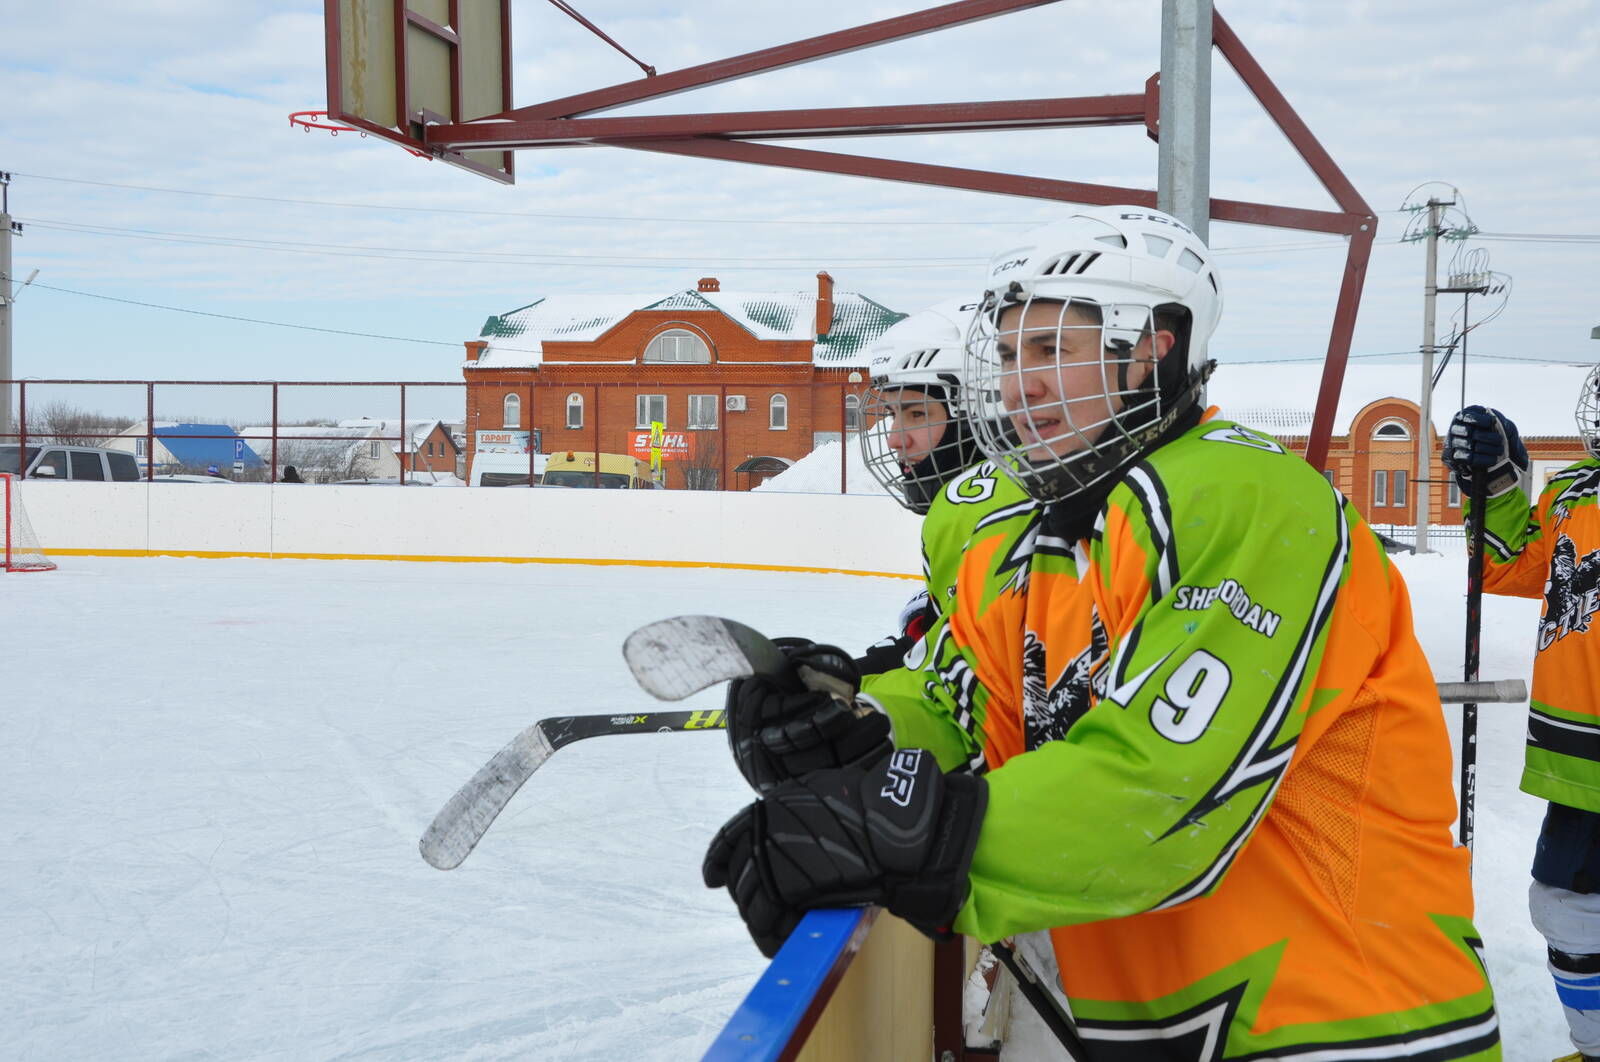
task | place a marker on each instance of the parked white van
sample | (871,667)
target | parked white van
(506,470)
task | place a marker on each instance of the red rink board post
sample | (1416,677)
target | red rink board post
(19,546)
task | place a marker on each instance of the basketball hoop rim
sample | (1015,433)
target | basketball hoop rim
(309,120)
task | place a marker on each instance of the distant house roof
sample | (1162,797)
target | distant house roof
(416,431)
(516,339)
(186,450)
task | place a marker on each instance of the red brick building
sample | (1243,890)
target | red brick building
(746,383)
(1372,456)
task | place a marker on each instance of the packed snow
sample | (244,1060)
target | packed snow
(819,471)
(219,769)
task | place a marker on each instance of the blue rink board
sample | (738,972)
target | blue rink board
(808,965)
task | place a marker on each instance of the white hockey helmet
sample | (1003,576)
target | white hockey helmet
(1088,294)
(916,438)
(1588,412)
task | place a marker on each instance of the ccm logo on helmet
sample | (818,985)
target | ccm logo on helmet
(902,777)
(1015,263)
(1159,220)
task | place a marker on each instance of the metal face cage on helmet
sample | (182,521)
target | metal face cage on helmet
(1588,412)
(916,437)
(1094,335)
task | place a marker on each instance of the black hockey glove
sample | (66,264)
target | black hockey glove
(809,720)
(899,834)
(1483,438)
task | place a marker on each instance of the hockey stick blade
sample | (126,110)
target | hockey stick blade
(463,821)
(673,658)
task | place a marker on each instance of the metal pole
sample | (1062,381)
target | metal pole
(6,302)
(1183,160)
(1430,293)
(403,434)
(272,470)
(844,485)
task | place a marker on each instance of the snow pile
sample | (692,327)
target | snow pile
(818,473)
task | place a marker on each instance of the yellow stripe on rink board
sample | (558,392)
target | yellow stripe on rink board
(605,562)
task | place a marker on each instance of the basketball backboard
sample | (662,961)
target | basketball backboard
(396,66)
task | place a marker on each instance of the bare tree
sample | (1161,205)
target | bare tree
(702,468)
(65,424)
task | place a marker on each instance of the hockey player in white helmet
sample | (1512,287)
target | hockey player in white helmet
(1543,545)
(916,438)
(1176,716)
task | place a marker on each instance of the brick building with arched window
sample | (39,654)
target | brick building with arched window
(746,383)
(1372,455)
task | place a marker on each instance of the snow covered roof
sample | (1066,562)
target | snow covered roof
(516,339)
(1280,399)
(416,431)
(308,444)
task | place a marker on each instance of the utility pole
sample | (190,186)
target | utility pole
(1183,156)
(7,227)
(1430,293)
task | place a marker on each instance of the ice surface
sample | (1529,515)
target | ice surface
(217,772)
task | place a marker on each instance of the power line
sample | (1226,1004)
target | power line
(391,208)
(577,261)
(446,343)
(608,261)
(253,320)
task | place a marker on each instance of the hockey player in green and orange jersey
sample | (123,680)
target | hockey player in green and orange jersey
(1551,550)
(1184,724)
(918,443)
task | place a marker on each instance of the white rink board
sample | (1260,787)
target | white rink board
(827,531)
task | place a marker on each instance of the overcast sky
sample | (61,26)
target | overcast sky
(154,163)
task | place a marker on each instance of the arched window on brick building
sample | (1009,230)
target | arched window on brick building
(680,345)
(1395,430)
(778,413)
(513,412)
(574,410)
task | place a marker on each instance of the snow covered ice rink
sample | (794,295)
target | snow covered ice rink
(218,770)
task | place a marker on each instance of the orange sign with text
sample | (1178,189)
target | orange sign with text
(674,445)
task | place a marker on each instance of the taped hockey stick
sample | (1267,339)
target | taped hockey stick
(671,659)
(463,821)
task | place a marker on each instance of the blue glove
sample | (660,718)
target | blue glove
(1484,439)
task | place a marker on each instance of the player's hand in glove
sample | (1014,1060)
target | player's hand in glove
(899,833)
(808,720)
(1485,439)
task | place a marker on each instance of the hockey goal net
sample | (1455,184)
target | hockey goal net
(19,546)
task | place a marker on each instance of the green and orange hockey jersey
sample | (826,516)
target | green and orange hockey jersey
(1218,769)
(1551,550)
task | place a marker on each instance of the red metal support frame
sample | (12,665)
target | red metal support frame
(403,435)
(22,428)
(726,136)
(990,116)
(777,58)
(987,181)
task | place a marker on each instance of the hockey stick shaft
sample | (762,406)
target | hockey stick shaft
(1049,1009)
(463,821)
(1469,711)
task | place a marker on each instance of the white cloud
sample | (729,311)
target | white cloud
(1496,100)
